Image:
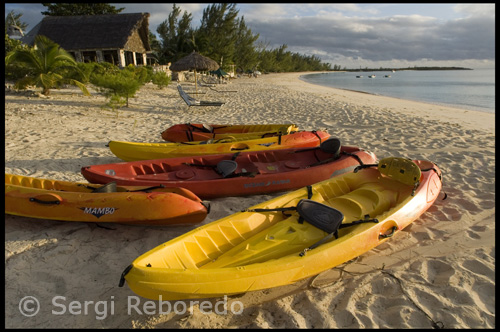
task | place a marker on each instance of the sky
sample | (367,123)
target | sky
(350,35)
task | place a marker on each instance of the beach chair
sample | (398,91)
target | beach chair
(190,101)
(205,84)
(211,87)
(211,80)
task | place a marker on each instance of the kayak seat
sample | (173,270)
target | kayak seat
(208,128)
(400,169)
(331,145)
(226,167)
(107,188)
(205,128)
(322,216)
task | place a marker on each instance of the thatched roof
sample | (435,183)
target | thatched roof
(92,31)
(194,61)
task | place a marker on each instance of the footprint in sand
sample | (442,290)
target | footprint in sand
(437,272)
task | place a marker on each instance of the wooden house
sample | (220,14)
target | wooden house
(121,39)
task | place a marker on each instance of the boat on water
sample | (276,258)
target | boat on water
(359,76)
(237,174)
(291,237)
(372,76)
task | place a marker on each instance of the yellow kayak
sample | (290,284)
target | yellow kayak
(76,201)
(291,237)
(131,151)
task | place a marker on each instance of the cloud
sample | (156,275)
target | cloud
(487,9)
(401,37)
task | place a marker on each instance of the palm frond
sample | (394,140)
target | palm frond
(48,64)
(81,86)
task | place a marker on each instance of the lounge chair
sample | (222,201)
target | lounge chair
(211,87)
(205,84)
(211,80)
(190,101)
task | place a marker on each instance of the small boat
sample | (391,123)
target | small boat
(190,132)
(387,75)
(130,151)
(240,174)
(75,201)
(372,76)
(291,237)
(359,76)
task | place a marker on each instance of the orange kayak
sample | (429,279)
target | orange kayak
(73,201)
(190,132)
(244,173)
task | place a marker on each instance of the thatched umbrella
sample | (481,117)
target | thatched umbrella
(194,61)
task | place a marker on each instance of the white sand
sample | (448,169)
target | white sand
(438,271)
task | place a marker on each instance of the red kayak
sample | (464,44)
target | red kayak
(237,174)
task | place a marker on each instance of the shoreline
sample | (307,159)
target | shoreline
(439,270)
(477,119)
(458,106)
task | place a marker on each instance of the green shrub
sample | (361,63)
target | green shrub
(143,73)
(117,85)
(161,79)
(89,69)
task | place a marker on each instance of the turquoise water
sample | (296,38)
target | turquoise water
(467,89)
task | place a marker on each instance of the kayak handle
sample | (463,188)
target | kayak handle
(57,200)
(33,199)
(387,235)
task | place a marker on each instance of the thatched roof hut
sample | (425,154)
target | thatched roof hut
(117,38)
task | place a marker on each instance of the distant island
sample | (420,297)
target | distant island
(408,68)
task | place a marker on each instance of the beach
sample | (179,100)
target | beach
(438,272)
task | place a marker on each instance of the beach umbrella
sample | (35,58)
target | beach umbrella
(219,72)
(194,61)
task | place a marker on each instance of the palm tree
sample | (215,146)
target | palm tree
(48,66)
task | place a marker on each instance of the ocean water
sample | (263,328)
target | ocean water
(466,89)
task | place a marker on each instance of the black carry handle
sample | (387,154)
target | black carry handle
(36,200)
(385,236)
(124,273)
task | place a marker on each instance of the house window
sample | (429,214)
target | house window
(139,59)
(89,56)
(111,57)
(129,58)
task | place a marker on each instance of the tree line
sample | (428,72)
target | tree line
(222,36)
(406,68)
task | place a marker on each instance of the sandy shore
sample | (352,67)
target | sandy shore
(439,272)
